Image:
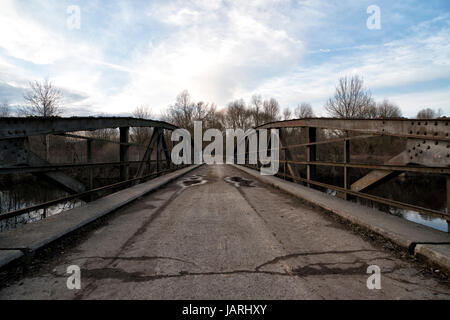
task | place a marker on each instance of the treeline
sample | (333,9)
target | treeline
(350,100)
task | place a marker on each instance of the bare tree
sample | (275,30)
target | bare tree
(387,109)
(201,111)
(256,109)
(5,110)
(43,99)
(181,113)
(141,135)
(185,111)
(304,110)
(429,113)
(142,112)
(287,114)
(237,115)
(350,100)
(215,118)
(271,110)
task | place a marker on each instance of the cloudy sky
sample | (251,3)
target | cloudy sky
(130,53)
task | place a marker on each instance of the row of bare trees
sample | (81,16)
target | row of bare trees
(350,100)
(429,114)
(238,113)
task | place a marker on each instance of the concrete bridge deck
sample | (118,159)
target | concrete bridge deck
(220,233)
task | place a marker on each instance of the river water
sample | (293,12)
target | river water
(17,194)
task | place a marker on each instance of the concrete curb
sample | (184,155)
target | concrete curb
(34,236)
(7,256)
(431,244)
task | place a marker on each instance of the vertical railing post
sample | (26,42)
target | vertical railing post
(89,160)
(124,154)
(247,151)
(346,161)
(257,150)
(311,155)
(158,151)
(170,148)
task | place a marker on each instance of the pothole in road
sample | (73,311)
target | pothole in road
(240,182)
(193,180)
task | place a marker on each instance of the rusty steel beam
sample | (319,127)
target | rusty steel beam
(431,170)
(376,176)
(11,128)
(302,145)
(431,129)
(58,167)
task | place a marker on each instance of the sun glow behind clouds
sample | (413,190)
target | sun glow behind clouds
(144,53)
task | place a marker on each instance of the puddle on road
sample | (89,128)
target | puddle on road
(193,180)
(240,182)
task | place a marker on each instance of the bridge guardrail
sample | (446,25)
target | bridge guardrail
(17,156)
(426,151)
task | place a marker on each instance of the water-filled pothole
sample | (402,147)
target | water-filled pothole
(240,182)
(193,180)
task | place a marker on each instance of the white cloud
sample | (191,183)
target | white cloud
(218,52)
(409,61)
(27,40)
(74,66)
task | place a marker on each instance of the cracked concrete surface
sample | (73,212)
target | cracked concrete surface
(213,238)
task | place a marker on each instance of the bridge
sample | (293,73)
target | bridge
(144,228)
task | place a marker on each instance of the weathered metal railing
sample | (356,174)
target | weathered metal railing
(17,157)
(425,150)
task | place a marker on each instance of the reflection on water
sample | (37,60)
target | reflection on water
(432,222)
(37,215)
(435,223)
(17,194)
